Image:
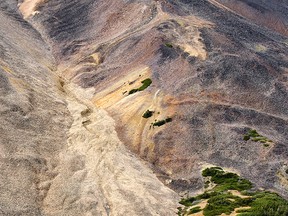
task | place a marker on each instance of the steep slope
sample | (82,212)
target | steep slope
(59,154)
(272,15)
(217,74)
(34,117)
(217,71)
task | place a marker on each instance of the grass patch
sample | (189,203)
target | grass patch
(226,181)
(169,45)
(168,120)
(212,171)
(220,200)
(188,202)
(222,203)
(145,84)
(266,204)
(162,122)
(256,137)
(147,114)
(206,185)
(246,137)
(207,195)
(194,210)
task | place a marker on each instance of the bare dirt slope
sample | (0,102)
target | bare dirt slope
(218,69)
(60,155)
(272,15)
(34,117)
(215,71)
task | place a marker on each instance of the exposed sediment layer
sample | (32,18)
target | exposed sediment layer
(59,153)
(98,174)
(215,73)
(34,117)
(29,7)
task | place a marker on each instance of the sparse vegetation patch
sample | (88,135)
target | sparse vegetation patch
(194,210)
(169,45)
(226,181)
(256,137)
(145,84)
(162,122)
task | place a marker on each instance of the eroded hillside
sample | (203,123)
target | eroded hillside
(60,155)
(219,69)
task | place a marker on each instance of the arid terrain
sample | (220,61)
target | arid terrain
(73,91)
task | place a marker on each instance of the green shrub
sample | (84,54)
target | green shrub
(133,91)
(147,114)
(220,200)
(259,139)
(253,133)
(180,210)
(212,171)
(266,204)
(194,210)
(159,123)
(256,137)
(245,201)
(145,84)
(169,45)
(222,203)
(226,181)
(206,195)
(246,137)
(187,201)
(168,120)
(206,185)
(162,122)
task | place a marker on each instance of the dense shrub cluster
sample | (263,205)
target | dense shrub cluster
(220,200)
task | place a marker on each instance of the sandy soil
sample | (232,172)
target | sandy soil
(97,168)
(29,7)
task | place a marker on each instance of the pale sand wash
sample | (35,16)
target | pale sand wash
(98,176)
(29,7)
